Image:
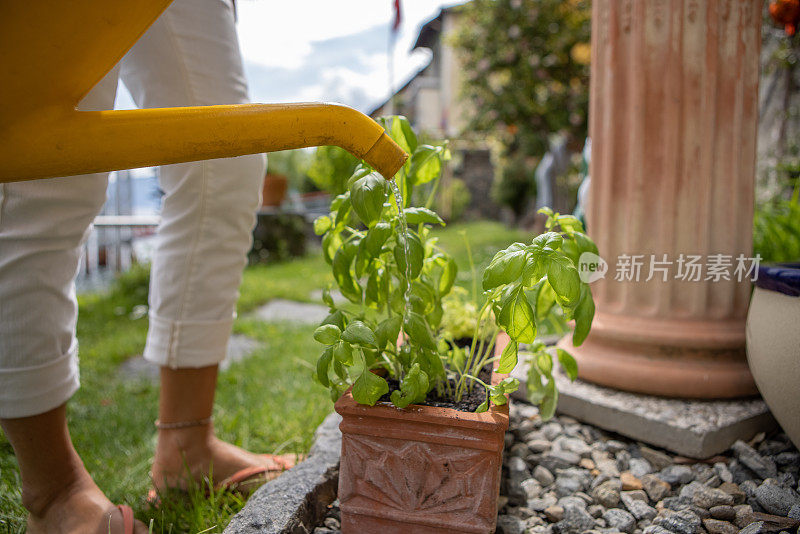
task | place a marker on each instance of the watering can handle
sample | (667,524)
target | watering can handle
(53,52)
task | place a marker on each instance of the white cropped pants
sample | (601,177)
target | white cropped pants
(190,56)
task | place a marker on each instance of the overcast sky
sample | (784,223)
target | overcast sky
(301,50)
(323,50)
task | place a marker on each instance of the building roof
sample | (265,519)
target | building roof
(430,31)
(428,36)
(400,90)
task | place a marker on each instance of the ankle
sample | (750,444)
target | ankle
(185,440)
(39,500)
(182,452)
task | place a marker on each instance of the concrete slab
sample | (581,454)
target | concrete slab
(289,310)
(693,428)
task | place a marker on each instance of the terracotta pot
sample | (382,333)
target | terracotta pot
(420,470)
(273,191)
(773,343)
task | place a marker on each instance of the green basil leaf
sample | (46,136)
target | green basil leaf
(338,200)
(418,330)
(536,390)
(335,317)
(362,262)
(483,407)
(343,354)
(327,334)
(322,224)
(388,331)
(507,385)
(413,388)
(425,164)
(563,277)
(358,333)
(369,387)
(498,399)
(367,196)
(505,267)
(546,211)
(544,361)
(568,363)
(584,242)
(377,289)
(545,300)
(341,271)
(425,294)
(338,366)
(449,273)
(408,133)
(376,237)
(516,316)
(343,213)
(331,243)
(401,133)
(416,255)
(431,363)
(584,314)
(359,172)
(508,358)
(327,299)
(535,269)
(546,243)
(548,407)
(569,223)
(435,315)
(570,249)
(422,216)
(323,364)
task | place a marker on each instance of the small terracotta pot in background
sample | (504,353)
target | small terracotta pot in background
(773,342)
(421,470)
(273,191)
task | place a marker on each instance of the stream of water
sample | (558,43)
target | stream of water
(401,220)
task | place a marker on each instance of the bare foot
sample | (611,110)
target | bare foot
(200,453)
(80,508)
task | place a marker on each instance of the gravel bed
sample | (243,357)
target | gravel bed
(565,477)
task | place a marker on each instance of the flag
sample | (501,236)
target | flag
(398,17)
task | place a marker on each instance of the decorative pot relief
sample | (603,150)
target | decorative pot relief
(426,479)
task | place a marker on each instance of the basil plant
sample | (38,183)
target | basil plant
(523,284)
(395,276)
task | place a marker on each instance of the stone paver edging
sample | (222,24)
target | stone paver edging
(297,500)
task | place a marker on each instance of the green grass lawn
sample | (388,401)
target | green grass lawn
(267,403)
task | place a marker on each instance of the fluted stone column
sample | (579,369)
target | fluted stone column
(673,117)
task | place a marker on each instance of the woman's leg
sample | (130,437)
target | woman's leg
(42,227)
(190,56)
(56,488)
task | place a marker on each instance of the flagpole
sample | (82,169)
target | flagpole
(394,31)
(390,101)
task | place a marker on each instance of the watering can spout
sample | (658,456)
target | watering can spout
(69,142)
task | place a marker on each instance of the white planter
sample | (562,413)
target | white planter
(773,343)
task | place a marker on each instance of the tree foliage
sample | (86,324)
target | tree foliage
(526,76)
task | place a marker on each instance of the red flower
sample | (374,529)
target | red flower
(786,13)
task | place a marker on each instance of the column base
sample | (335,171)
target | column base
(714,368)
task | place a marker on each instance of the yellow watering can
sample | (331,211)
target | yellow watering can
(52,52)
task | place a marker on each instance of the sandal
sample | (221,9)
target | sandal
(127,518)
(244,481)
